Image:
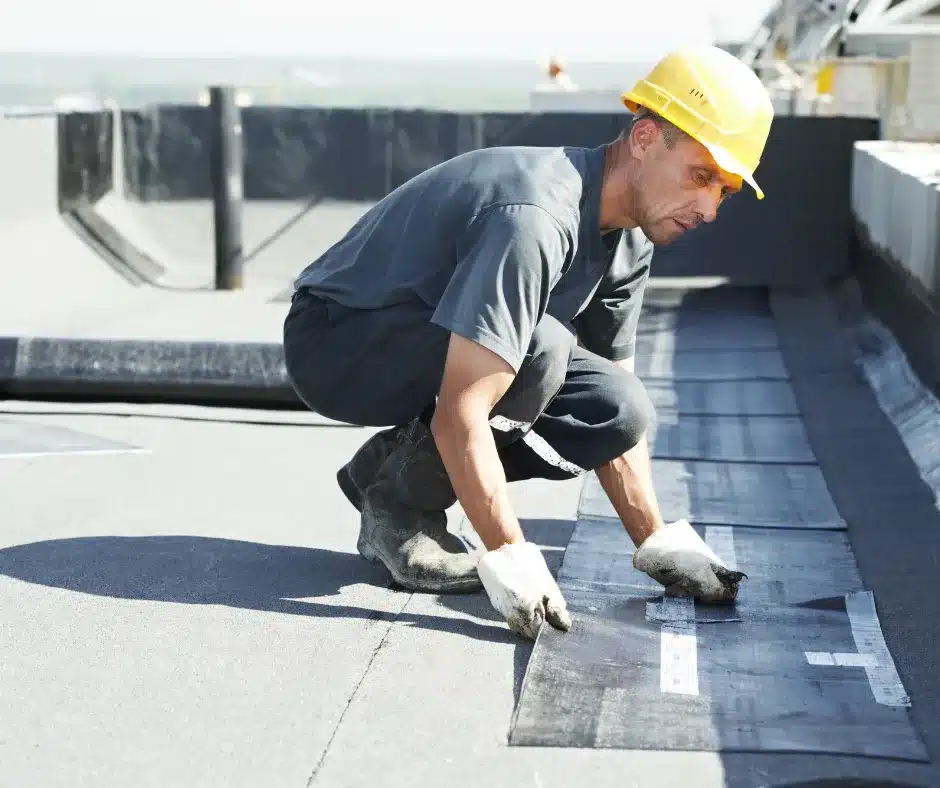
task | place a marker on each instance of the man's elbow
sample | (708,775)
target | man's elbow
(453,419)
(475,379)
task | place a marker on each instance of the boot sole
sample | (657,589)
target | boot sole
(457,586)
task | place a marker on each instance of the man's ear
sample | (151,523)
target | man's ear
(643,136)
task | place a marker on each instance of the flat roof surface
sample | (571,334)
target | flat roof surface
(183,604)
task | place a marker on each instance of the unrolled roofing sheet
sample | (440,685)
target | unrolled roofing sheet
(722,398)
(797,664)
(721,493)
(730,438)
(717,365)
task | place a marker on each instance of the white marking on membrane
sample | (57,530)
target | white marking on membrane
(678,651)
(840,659)
(872,655)
(883,676)
(855,660)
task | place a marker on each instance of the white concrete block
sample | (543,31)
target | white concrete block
(896,197)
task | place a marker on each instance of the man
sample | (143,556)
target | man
(488,308)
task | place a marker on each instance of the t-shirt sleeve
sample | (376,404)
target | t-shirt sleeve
(509,259)
(608,324)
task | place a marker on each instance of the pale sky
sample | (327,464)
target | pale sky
(580,30)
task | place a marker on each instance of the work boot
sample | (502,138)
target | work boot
(356,475)
(404,520)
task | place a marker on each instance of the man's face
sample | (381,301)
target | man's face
(679,187)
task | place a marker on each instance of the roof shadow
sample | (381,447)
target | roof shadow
(196,570)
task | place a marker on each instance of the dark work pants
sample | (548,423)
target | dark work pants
(566,412)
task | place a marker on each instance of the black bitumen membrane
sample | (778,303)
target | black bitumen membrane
(772,444)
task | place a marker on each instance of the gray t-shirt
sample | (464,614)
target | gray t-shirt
(490,241)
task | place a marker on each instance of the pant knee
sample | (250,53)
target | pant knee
(635,413)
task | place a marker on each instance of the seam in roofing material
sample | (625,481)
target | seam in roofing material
(907,403)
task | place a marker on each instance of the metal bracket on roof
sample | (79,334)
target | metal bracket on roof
(808,30)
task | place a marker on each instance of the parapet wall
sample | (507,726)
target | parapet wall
(896,204)
(798,236)
(896,244)
(85,144)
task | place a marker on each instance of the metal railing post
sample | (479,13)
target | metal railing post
(227,190)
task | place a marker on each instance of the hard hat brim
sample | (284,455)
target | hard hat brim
(729,163)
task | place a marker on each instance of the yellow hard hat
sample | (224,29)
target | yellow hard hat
(714,98)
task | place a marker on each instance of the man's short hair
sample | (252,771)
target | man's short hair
(671,133)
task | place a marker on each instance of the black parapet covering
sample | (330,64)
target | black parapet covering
(298,153)
(227,189)
(799,235)
(85,174)
(166,152)
(415,141)
(301,153)
(548,129)
(85,144)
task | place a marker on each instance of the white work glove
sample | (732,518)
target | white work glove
(522,590)
(678,557)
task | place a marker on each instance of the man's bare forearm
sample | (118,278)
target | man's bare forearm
(476,472)
(628,482)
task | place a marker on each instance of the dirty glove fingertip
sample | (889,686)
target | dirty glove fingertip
(526,627)
(728,577)
(557,615)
